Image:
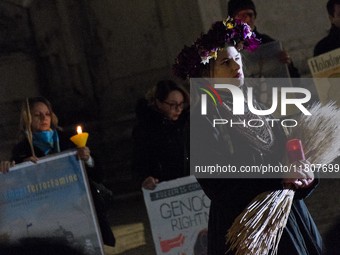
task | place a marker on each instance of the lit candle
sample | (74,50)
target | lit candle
(295,150)
(81,138)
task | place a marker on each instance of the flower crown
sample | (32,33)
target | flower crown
(231,31)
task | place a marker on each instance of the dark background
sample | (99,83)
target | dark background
(93,59)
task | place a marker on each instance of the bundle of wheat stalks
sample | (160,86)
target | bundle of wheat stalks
(258,229)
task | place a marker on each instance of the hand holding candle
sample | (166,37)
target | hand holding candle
(80,139)
(302,170)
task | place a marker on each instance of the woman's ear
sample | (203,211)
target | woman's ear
(158,104)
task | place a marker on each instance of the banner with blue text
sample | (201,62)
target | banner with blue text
(49,199)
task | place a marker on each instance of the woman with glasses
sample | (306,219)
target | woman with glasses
(161,137)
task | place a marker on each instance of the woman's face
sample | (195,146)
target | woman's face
(228,64)
(173,105)
(41,117)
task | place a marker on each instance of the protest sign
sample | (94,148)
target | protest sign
(325,70)
(178,212)
(263,62)
(49,199)
(262,66)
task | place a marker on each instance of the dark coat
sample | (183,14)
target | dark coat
(293,71)
(160,146)
(22,151)
(329,43)
(229,197)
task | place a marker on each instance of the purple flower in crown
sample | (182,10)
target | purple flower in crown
(252,43)
(205,55)
(192,59)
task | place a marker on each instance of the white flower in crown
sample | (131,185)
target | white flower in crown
(205,60)
(212,54)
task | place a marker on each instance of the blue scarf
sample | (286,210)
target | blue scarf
(46,141)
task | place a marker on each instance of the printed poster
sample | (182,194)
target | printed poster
(178,212)
(49,199)
(264,66)
(263,62)
(325,70)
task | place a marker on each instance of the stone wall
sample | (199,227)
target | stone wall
(299,25)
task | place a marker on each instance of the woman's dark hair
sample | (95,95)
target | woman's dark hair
(31,103)
(162,90)
(330,6)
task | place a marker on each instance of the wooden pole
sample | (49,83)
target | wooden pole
(28,119)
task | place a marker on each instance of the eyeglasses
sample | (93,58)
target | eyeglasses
(175,106)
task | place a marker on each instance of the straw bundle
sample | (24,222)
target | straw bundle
(319,133)
(258,229)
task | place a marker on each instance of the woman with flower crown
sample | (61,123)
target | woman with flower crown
(216,54)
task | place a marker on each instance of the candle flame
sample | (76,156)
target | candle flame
(79,131)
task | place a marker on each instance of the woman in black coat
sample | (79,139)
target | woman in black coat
(160,139)
(217,55)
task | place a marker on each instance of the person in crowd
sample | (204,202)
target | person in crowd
(246,12)
(160,139)
(47,136)
(216,54)
(39,122)
(332,40)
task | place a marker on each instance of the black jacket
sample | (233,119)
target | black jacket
(229,197)
(329,43)
(263,37)
(160,146)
